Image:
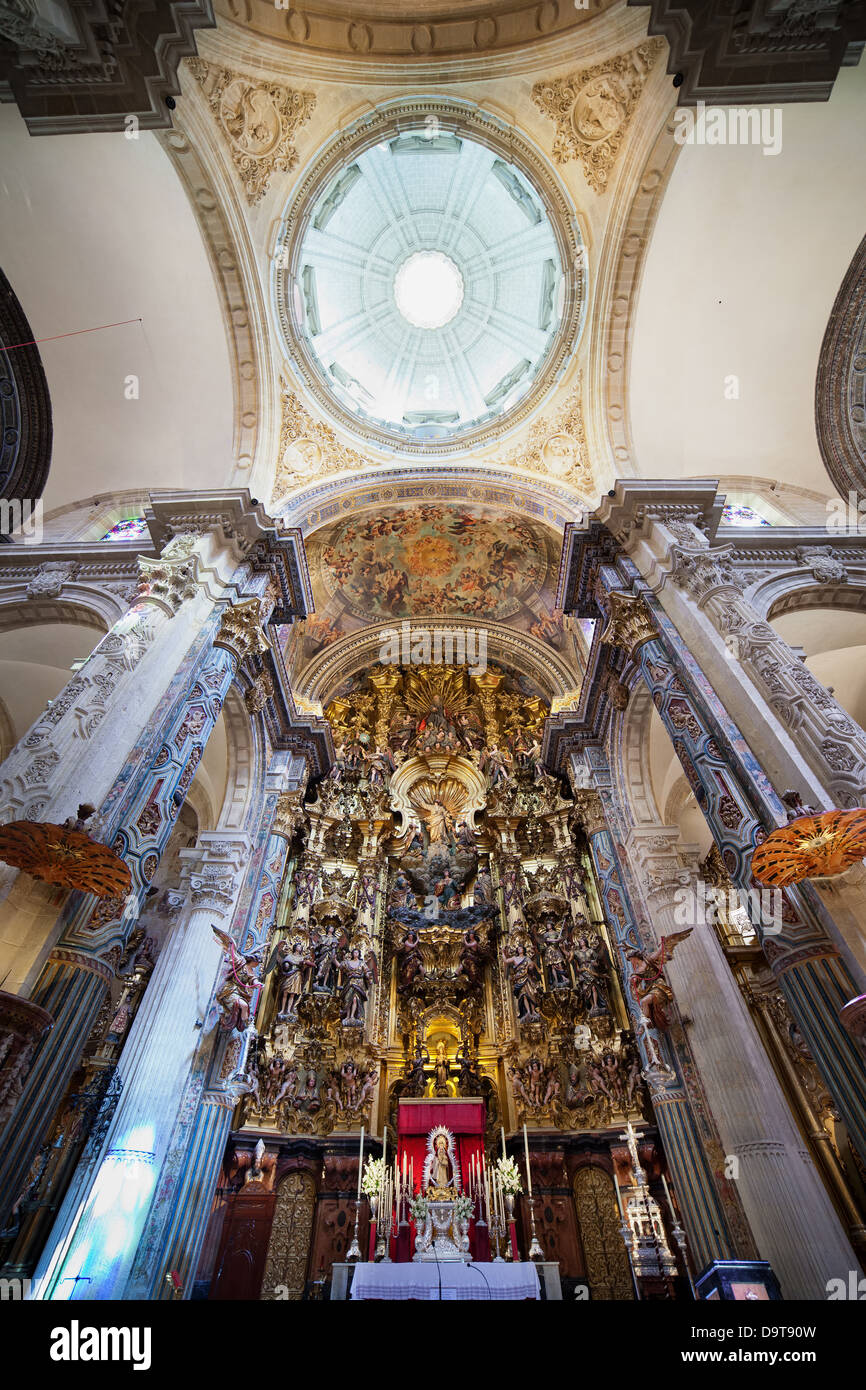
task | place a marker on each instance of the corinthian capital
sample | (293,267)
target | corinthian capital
(167,582)
(289,814)
(213,888)
(240,630)
(629,624)
(589,811)
(703,573)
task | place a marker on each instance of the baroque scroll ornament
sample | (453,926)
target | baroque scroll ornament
(592,109)
(260,121)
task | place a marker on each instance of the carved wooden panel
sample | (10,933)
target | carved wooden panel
(597,1215)
(289,1246)
(244,1243)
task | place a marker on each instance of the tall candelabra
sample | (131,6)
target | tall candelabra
(354,1251)
(641,1226)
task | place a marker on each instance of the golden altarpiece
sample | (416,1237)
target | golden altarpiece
(440,935)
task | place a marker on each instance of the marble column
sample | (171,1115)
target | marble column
(139,811)
(703,1213)
(790,1214)
(177,1222)
(92,1253)
(741,807)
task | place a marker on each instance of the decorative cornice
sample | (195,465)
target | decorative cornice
(758,52)
(120,66)
(418,35)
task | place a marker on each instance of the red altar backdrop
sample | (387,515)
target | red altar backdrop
(464,1118)
(416,1118)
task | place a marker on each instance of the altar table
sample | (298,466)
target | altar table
(458,1280)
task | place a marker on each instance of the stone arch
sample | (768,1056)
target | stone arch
(7,732)
(632,769)
(26,429)
(245,764)
(90,608)
(41,642)
(507,646)
(634,777)
(318,503)
(797,589)
(840,383)
(288,1256)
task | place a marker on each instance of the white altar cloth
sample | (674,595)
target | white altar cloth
(458,1280)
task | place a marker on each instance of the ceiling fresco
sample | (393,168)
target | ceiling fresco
(468,562)
(437,561)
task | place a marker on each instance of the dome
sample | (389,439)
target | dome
(430,286)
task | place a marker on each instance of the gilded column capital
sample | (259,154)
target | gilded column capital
(589,811)
(289,814)
(629,623)
(240,630)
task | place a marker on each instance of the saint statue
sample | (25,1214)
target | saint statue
(443,1168)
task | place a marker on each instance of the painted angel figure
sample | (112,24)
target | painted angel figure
(357,974)
(326,946)
(240,979)
(497,765)
(524,979)
(380,765)
(648,984)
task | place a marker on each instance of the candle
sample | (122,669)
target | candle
(528,1170)
(668,1196)
(502,1132)
(360,1162)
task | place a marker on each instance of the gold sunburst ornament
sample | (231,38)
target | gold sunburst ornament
(814,846)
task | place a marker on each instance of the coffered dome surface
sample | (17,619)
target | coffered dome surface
(430,288)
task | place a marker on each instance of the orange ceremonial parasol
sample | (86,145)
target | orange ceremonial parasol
(811,847)
(59,854)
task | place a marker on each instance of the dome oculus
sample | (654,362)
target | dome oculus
(428,289)
(433,284)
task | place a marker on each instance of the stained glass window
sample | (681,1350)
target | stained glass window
(737,514)
(132,529)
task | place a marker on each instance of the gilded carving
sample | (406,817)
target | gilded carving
(240,629)
(289,1245)
(629,624)
(598,1219)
